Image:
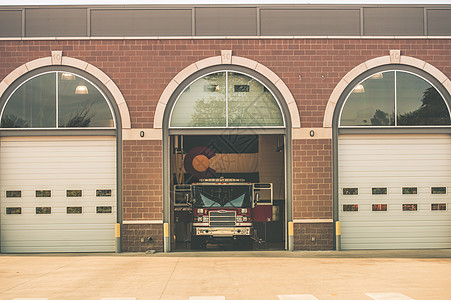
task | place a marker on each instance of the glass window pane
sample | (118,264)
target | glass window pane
(409,190)
(103,193)
(419,103)
(438,190)
(438,206)
(32,105)
(409,207)
(371,103)
(350,191)
(43,193)
(13,194)
(379,207)
(14,210)
(104,209)
(250,103)
(80,104)
(379,191)
(74,210)
(203,104)
(74,193)
(350,207)
(43,210)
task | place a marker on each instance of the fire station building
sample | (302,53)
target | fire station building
(110,113)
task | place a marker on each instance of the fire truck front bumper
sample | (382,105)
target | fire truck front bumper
(223,231)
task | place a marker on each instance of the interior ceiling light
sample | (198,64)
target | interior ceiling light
(359,89)
(67,76)
(377,76)
(81,90)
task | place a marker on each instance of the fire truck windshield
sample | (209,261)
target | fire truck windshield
(206,196)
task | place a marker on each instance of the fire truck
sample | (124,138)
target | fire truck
(224,210)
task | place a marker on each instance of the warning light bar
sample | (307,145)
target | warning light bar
(221,179)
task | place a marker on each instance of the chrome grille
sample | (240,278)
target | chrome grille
(222,218)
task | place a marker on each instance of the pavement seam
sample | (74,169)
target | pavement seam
(170,277)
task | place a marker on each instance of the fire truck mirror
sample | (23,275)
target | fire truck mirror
(257,198)
(187,198)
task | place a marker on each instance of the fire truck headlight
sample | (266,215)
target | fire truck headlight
(245,219)
(239,219)
(200,210)
(245,231)
(244,210)
(199,219)
(204,219)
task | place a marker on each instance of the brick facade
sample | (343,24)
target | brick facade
(142,194)
(312,179)
(142,237)
(142,180)
(314,236)
(311,68)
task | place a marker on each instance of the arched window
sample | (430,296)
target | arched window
(226,99)
(57,100)
(394,98)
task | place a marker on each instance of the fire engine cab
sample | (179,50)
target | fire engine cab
(224,210)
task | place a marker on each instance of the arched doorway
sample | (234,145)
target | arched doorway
(226,122)
(392,160)
(59,163)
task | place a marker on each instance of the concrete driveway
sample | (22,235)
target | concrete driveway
(232,275)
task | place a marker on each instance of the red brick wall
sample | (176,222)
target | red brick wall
(314,236)
(142,237)
(312,179)
(142,180)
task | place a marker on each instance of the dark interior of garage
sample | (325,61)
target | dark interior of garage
(230,160)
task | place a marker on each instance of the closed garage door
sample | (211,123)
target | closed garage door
(58,194)
(394,191)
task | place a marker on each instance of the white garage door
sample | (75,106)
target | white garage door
(394,191)
(58,194)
